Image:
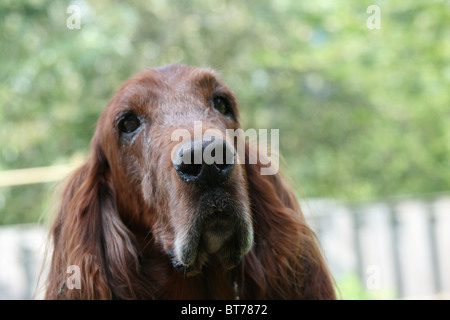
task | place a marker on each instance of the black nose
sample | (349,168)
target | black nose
(204,160)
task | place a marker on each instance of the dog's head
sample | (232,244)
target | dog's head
(164,135)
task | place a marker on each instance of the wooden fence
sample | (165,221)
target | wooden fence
(401,245)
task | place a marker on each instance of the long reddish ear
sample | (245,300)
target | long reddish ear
(285,261)
(90,241)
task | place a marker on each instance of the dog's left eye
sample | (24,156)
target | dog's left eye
(222,105)
(129,123)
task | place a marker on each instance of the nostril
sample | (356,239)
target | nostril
(223,166)
(189,169)
(224,169)
(227,161)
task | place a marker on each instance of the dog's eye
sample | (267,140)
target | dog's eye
(129,123)
(222,105)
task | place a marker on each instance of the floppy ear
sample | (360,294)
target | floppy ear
(90,241)
(285,261)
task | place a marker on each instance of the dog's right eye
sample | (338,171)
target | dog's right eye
(129,122)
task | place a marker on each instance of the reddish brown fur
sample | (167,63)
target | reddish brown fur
(120,210)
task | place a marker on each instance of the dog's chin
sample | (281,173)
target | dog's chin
(222,258)
(219,240)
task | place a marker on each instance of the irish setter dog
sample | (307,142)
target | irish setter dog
(139,221)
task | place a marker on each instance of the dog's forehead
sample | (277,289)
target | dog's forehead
(154,85)
(168,80)
(180,78)
(176,74)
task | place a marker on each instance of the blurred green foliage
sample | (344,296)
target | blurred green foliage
(362,113)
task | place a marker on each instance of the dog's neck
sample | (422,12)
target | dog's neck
(213,283)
